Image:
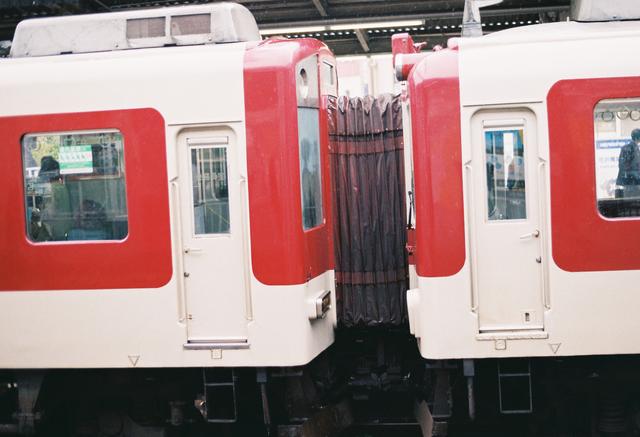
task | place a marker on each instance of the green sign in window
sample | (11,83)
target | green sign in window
(76,159)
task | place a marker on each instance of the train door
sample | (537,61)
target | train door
(506,221)
(212,240)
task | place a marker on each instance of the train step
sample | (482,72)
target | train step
(220,388)
(514,382)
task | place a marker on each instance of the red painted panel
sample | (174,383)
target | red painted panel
(281,252)
(583,240)
(411,246)
(142,260)
(437,153)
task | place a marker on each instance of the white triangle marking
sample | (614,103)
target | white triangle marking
(133,359)
(554,347)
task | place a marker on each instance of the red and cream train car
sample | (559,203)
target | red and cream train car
(165,197)
(527,236)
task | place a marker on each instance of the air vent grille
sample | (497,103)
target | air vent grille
(146,28)
(191,25)
(183,25)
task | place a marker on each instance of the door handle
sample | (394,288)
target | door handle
(192,250)
(534,234)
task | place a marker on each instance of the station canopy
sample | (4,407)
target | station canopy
(347,26)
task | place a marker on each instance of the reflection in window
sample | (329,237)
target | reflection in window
(617,135)
(75,186)
(210,190)
(506,194)
(310,178)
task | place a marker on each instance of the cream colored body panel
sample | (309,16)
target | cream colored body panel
(192,87)
(584,313)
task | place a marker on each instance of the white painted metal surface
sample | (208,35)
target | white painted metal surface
(184,25)
(213,282)
(586,313)
(605,10)
(506,248)
(105,328)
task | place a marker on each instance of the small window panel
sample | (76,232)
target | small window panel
(617,152)
(75,186)
(310,173)
(210,183)
(146,28)
(505,167)
(198,24)
(308,88)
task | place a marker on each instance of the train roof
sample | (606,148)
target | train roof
(182,25)
(522,64)
(562,31)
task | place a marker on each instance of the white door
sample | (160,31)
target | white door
(506,237)
(211,218)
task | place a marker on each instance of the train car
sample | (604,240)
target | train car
(524,180)
(165,196)
(525,224)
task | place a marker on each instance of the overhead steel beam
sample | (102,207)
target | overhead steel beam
(321,6)
(363,39)
(423,16)
(102,5)
(31,3)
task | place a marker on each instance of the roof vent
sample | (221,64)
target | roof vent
(183,25)
(605,10)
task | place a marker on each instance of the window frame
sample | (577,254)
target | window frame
(573,209)
(310,101)
(194,144)
(506,127)
(143,261)
(79,177)
(597,167)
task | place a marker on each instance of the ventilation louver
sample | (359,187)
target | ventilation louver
(184,25)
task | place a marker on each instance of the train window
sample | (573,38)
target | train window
(210,190)
(310,177)
(617,140)
(309,142)
(75,186)
(506,192)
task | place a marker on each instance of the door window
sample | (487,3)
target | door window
(210,190)
(506,191)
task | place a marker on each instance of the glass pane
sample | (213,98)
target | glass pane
(210,190)
(75,186)
(310,175)
(506,194)
(617,135)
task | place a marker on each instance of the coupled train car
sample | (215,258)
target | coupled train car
(165,198)
(522,216)
(166,225)
(524,179)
